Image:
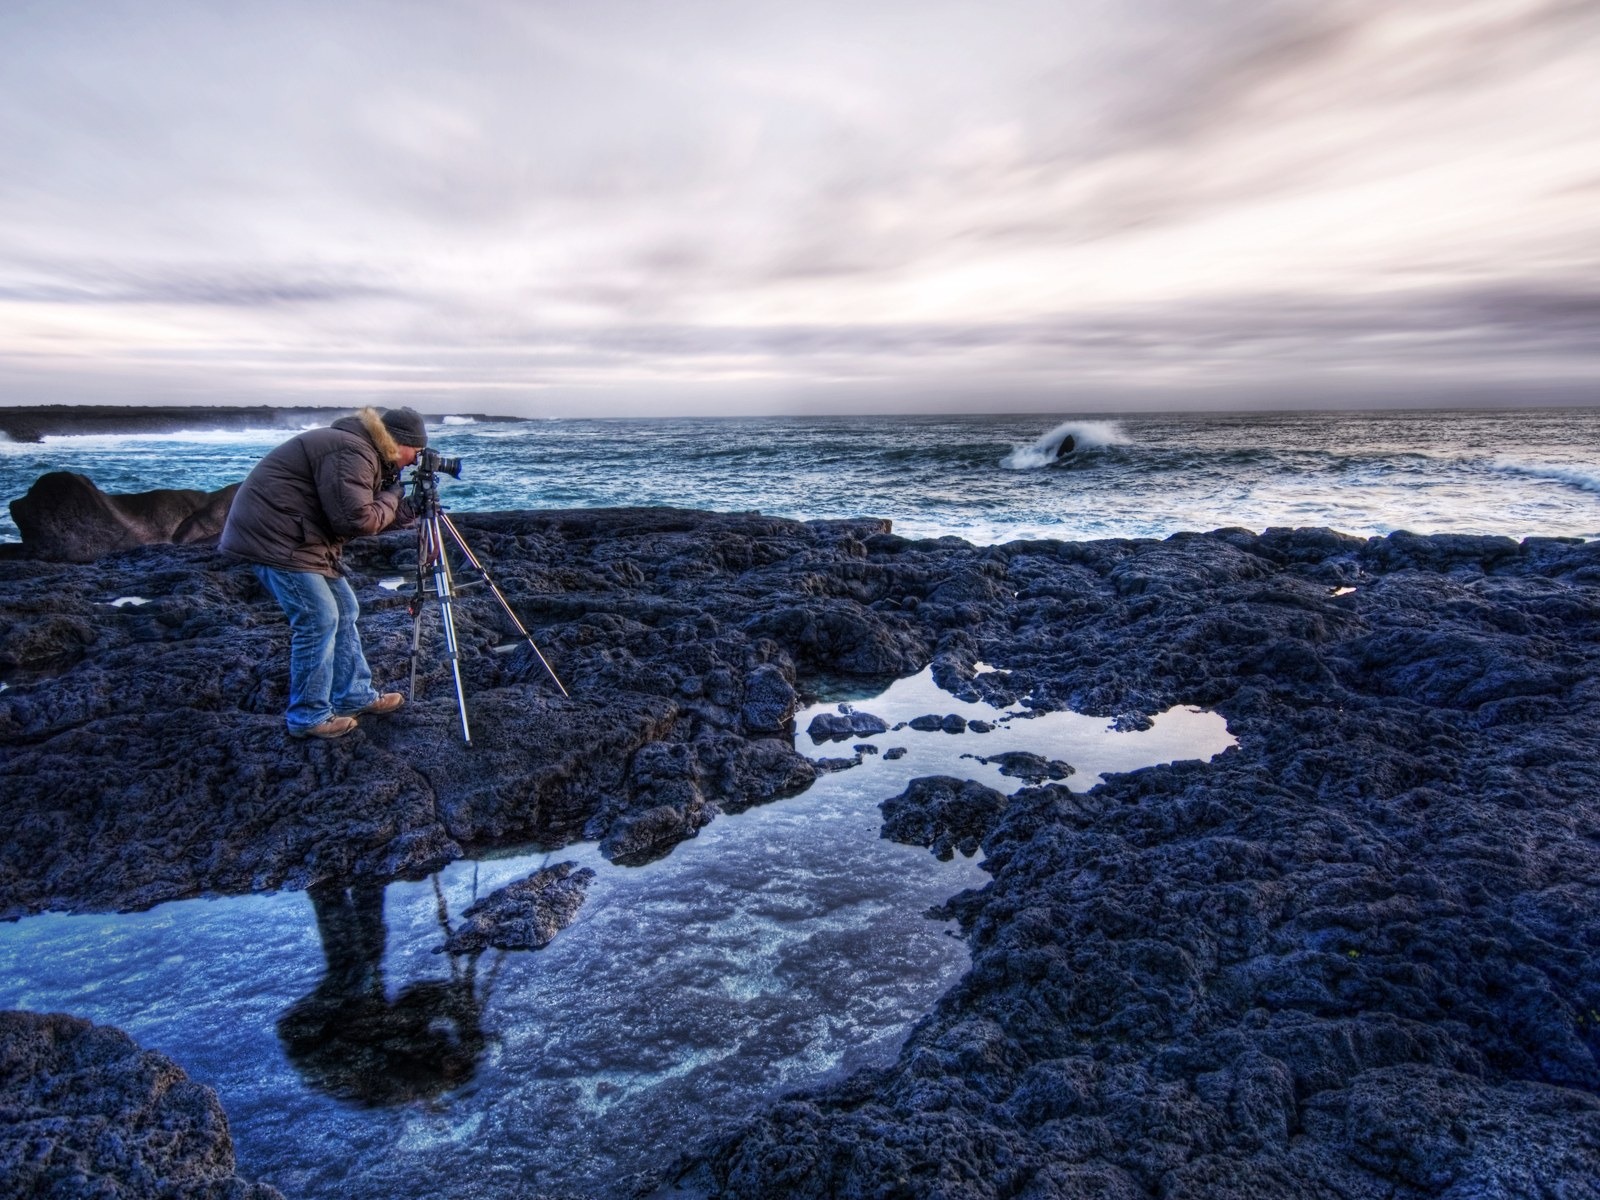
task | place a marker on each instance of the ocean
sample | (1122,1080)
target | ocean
(986,479)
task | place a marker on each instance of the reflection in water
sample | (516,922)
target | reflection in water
(350,1040)
(783,948)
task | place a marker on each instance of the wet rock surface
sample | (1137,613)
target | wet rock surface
(1020,764)
(841,727)
(85,1113)
(942,813)
(525,915)
(1356,954)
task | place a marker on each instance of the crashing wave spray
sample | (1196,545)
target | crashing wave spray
(1086,435)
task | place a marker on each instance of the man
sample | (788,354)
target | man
(291,518)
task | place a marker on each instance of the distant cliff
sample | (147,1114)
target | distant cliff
(30,424)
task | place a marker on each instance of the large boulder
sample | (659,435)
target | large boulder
(943,814)
(85,1112)
(65,517)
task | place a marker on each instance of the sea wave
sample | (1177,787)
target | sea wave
(1582,477)
(458,421)
(91,442)
(1086,435)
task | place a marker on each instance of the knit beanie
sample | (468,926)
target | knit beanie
(405,426)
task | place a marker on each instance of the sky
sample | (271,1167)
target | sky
(554,207)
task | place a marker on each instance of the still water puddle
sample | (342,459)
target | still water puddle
(1092,747)
(782,947)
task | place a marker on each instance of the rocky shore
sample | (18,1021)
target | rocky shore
(85,1112)
(1356,955)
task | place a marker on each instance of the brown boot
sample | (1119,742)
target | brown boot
(331,728)
(385,703)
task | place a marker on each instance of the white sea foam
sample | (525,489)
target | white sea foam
(1086,435)
(458,421)
(1585,478)
(92,442)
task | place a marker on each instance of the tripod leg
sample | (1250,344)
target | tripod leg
(466,551)
(427,555)
(445,588)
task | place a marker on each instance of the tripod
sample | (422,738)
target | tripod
(432,525)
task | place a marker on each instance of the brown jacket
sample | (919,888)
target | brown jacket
(311,495)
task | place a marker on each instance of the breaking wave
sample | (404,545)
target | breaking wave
(1085,435)
(112,441)
(1584,478)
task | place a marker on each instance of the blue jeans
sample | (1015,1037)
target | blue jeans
(328,674)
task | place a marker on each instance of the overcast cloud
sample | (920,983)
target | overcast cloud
(752,207)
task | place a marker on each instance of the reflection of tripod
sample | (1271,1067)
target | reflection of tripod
(433,523)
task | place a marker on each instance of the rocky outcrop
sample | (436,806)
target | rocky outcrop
(525,915)
(32,423)
(1359,953)
(143,754)
(943,814)
(1020,764)
(1356,955)
(64,517)
(839,727)
(85,1113)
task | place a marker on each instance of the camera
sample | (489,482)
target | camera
(431,462)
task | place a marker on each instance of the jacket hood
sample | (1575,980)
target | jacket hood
(370,422)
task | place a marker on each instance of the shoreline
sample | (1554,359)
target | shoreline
(1370,923)
(33,423)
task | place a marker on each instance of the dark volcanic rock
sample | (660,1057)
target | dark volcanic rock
(66,518)
(143,756)
(769,700)
(1020,764)
(525,915)
(843,635)
(85,1113)
(943,814)
(950,723)
(1358,954)
(838,764)
(841,727)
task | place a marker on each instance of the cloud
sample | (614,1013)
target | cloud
(505,195)
(114,284)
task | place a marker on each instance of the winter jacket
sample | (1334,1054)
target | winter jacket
(315,492)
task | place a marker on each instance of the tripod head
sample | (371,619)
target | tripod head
(429,466)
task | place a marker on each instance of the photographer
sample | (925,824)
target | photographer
(291,518)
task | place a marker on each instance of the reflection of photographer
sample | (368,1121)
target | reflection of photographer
(291,518)
(348,1039)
